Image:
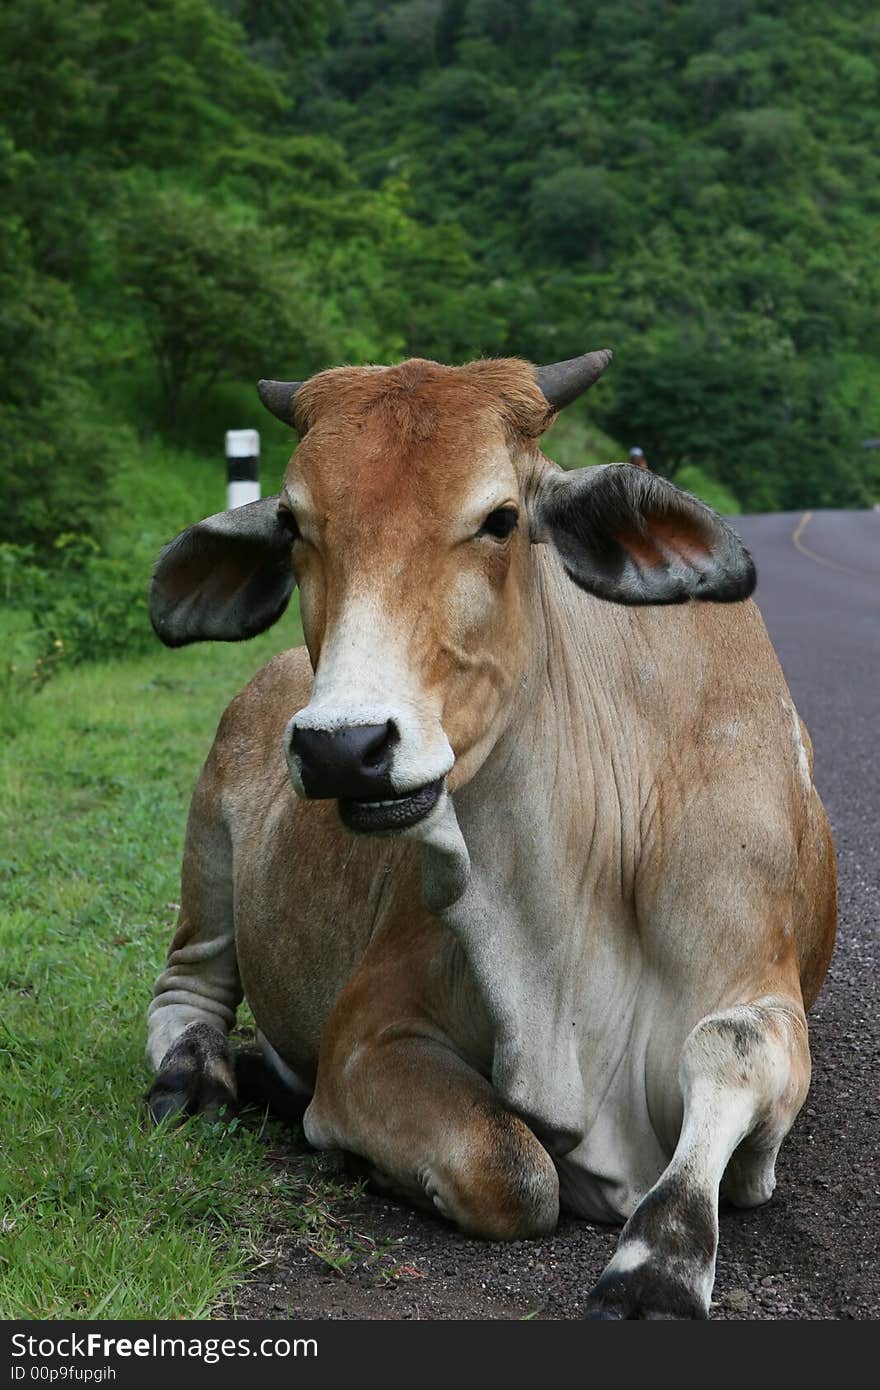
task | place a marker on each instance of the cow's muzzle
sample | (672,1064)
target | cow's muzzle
(352,764)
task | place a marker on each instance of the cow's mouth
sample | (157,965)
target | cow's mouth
(396,813)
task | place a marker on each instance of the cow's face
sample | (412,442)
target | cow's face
(407,517)
(407,502)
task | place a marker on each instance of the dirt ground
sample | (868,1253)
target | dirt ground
(812,1252)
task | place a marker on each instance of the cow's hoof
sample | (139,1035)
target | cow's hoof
(644,1294)
(195,1077)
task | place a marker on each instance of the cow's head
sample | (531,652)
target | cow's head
(407,518)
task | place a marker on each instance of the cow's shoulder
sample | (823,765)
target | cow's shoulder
(286,679)
(251,729)
(690,668)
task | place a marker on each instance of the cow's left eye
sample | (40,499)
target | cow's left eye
(500,523)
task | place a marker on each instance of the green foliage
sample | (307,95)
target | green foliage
(54,466)
(89,606)
(694,184)
(678,401)
(81,605)
(284,33)
(78,600)
(196,193)
(575,440)
(578,213)
(53,458)
(214,292)
(165,231)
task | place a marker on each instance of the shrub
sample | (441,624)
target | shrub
(90,605)
(83,605)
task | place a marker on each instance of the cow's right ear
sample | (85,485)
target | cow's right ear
(224,579)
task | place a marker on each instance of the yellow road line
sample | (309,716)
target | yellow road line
(820,559)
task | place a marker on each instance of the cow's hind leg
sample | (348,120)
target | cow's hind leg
(197,994)
(433,1130)
(744,1074)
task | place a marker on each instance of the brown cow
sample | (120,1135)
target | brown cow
(528,885)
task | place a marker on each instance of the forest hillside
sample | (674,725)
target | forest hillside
(196,194)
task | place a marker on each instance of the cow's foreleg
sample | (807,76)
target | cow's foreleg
(433,1130)
(743,1074)
(197,994)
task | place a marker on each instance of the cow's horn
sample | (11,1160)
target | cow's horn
(277,397)
(563,382)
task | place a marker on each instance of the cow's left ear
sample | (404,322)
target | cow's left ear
(224,579)
(630,537)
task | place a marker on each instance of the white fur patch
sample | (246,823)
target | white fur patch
(364,677)
(285,1074)
(629,1255)
(803,757)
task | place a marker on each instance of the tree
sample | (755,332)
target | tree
(218,301)
(45,429)
(579,212)
(761,424)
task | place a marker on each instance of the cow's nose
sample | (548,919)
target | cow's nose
(352,762)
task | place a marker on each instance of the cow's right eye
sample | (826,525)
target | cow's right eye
(287,522)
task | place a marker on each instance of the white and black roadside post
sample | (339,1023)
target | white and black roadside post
(242,467)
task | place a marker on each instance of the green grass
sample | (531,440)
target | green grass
(102,1216)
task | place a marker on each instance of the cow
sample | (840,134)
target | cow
(519,863)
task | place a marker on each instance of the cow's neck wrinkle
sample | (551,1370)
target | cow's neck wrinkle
(563,782)
(548,838)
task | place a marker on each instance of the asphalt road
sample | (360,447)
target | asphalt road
(812,1252)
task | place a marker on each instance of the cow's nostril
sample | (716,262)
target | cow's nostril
(377,754)
(353,761)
